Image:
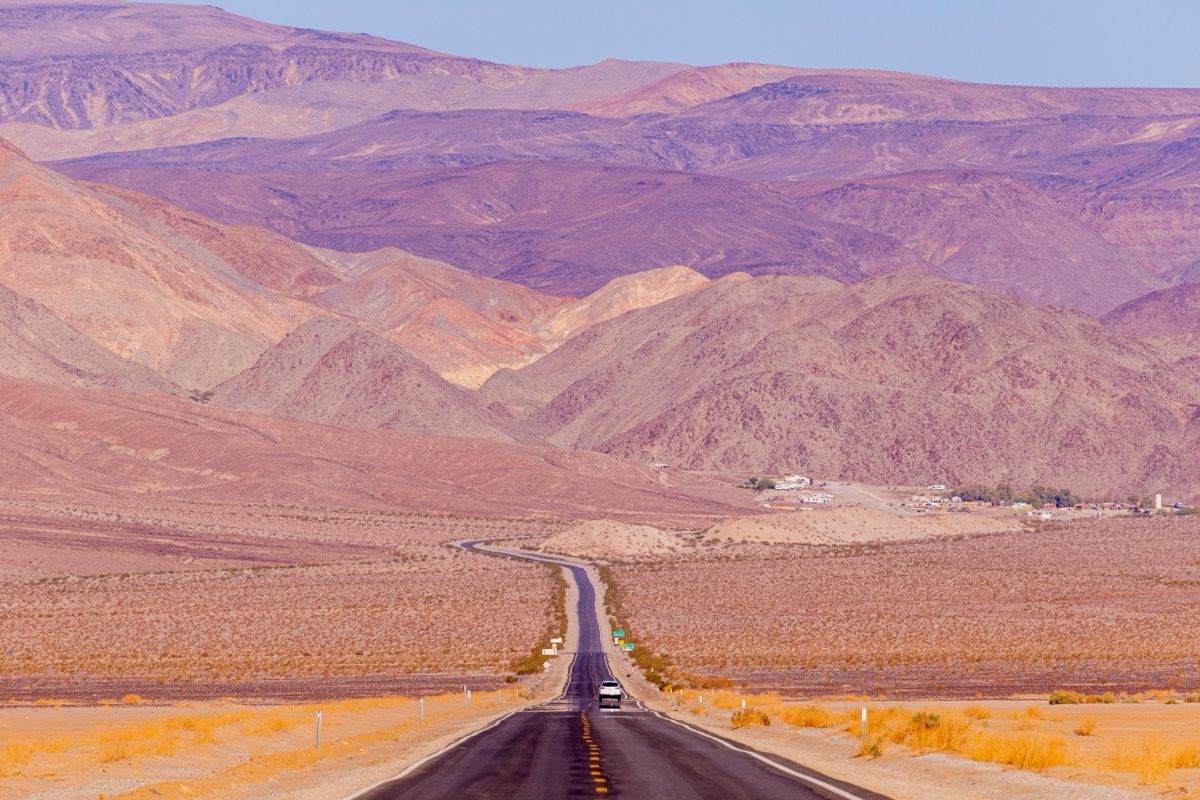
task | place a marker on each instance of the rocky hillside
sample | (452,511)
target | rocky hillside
(896,379)
(332,371)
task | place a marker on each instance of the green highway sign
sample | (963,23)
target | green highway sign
(619,632)
(628,646)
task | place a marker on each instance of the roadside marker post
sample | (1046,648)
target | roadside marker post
(318,744)
(743,704)
(421,710)
(864,723)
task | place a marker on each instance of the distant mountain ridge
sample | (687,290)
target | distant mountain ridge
(1082,198)
(299,234)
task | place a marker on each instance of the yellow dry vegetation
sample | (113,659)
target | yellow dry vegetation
(1024,737)
(1152,757)
(229,744)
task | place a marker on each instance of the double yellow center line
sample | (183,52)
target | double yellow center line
(596,773)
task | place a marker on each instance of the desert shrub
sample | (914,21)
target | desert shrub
(977,712)
(870,747)
(749,717)
(1106,698)
(1065,697)
(927,732)
(808,717)
(1085,728)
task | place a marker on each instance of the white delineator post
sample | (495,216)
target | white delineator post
(864,722)
(318,742)
(421,710)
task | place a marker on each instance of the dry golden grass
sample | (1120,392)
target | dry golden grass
(15,755)
(808,716)
(218,745)
(1152,757)
(1023,736)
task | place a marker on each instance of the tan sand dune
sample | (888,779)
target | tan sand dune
(606,538)
(850,525)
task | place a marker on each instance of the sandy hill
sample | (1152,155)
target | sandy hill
(77,444)
(848,525)
(610,539)
(333,371)
(888,381)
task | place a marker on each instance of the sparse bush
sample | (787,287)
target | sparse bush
(870,747)
(1066,697)
(808,717)
(1086,727)
(927,732)
(749,717)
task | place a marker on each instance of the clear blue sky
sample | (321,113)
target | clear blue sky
(1046,42)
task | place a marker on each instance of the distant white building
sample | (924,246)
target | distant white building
(937,487)
(816,497)
(797,479)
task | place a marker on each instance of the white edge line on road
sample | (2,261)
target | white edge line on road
(827,789)
(411,768)
(841,794)
(418,764)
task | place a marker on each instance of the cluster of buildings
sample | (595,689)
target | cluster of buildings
(789,482)
(931,503)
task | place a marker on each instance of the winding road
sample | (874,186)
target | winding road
(569,748)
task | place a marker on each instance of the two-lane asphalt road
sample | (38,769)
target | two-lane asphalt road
(570,748)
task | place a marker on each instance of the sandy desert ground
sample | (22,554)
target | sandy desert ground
(1106,605)
(257,601)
